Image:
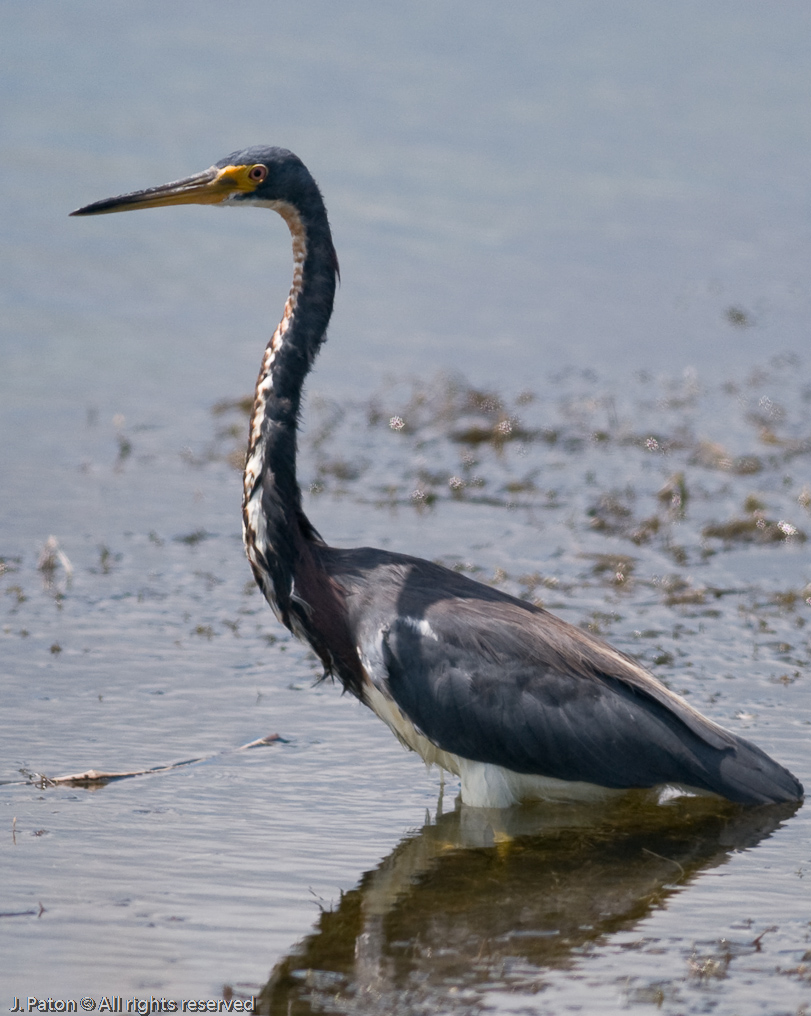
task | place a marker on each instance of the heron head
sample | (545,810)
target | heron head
(260,175)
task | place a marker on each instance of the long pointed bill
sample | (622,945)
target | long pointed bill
(209,188)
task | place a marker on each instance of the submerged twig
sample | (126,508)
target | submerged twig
(92,777)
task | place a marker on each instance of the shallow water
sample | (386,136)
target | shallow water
(600,218)
(157,648)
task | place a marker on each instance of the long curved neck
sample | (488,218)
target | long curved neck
(274,524)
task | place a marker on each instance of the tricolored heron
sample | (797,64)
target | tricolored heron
(514,701)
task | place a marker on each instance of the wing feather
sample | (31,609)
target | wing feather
(492,691)
(494,679)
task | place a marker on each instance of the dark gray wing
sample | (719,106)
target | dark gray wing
(494,679)
(496,682)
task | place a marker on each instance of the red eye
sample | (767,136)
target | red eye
(257,173)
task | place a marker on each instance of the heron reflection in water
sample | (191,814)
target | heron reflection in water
(479,902)
(515,702)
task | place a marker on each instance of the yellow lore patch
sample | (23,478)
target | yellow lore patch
(236,178)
